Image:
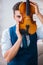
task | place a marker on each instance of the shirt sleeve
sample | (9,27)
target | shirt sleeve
(5,41)
(40,32)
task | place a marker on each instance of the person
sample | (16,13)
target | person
(14,51)
(40,16)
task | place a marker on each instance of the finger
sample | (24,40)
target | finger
(33,4)
(17,26)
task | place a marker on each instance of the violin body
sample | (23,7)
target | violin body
(27,26)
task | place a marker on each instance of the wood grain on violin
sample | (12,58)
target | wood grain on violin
(27,26)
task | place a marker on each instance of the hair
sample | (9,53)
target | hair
(16,6)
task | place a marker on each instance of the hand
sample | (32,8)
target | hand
(18,32)
(36,7)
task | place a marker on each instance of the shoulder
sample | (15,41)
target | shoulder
(5,35)
(6,31)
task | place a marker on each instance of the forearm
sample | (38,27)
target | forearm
(40,16)
(11,53)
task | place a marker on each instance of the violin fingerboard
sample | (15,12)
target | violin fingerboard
(27,7)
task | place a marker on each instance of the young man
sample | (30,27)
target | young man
(14,51)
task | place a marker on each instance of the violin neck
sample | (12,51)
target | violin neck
(27,7)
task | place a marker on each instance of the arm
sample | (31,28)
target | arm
(40,16)
(10,53)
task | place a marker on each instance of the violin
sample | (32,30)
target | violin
(28,25)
